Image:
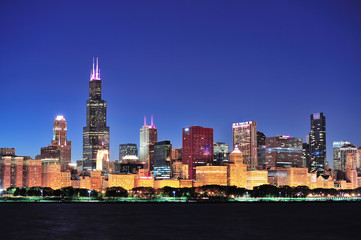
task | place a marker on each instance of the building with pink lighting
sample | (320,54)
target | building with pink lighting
(148,137)
(96,131)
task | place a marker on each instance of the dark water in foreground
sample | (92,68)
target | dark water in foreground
(180,221)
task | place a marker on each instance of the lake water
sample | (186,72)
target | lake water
(180,220)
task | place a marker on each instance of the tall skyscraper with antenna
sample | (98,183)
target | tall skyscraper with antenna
(60,141)
(148,137)
(96,131)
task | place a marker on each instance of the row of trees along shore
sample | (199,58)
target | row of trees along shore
(214,191)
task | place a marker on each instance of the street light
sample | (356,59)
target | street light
(89,191)
(173,194)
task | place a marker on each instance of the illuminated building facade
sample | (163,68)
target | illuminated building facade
(102,163)
(197,148)
(337,153)
(245,137)
(256,178)
(11,171)
(32,173)
(51,174)
(162,160)
(96,131)
(237,170)
(60,141)
(126,150)
(297,177)
(283,151)
(318,143)
(220,153)
(348,156)
(277,176)
(148,137)
(211,175)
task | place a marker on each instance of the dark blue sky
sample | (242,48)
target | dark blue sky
(207,63)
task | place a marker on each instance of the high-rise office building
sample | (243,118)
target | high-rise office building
(337,153)
(162,159)
(197,148)
(96,131)
(60,141)
(245,138)
(348,157)
(148,137)
(220,152)
(306,155)
(283,151)
(127,149)
(261,149)
(318,143)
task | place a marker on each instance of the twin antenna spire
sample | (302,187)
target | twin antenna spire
(95,73)
(151,122)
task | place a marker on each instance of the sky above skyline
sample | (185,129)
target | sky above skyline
(206,63)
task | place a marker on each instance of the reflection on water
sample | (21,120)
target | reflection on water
(180,221)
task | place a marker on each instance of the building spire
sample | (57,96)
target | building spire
(151,120)
(95,73)
(145,121)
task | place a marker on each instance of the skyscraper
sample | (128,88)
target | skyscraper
(348,156)
(60,141)
(337,153)
(197,148)
(220,152)
(148,137)
(318,143)
(261,149)
(245,138)
(284,151)
(96,131)
(127,149)
(162,159)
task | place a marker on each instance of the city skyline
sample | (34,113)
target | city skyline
(55,83)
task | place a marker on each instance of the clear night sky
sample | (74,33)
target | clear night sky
(207,63)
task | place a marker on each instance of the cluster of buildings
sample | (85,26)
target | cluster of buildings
(255,159)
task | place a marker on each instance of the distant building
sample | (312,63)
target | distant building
(96,131)
(60,141)
(11,171)
(51,174)
(102,163)
(32,173)
(348,153)
(211,175)
(237,170)
(318,143)
(148,137)
(7,151)
(283,151)
(261,149)
(220,153)
(306,155)
(337,154)
(162,159)
(197,148)
(127,149)
(245,138)
(176,154)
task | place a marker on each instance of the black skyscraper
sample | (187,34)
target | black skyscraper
(96,132)
(318,143)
